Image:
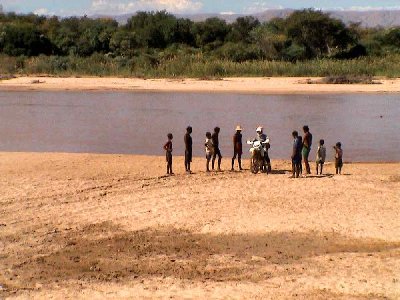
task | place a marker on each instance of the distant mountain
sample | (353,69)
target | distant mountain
(370,18)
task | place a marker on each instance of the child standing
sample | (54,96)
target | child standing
(321,155)
(209,149)
(237,147)
(188,148)
(296,154)
(217,151)
(300,140)
(168,154)
(338,157)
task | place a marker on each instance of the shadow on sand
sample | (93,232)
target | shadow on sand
(104,252)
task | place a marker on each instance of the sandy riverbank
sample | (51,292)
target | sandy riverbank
(112,226)
(265,85)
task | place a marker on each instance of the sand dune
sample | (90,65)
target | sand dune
(111,226)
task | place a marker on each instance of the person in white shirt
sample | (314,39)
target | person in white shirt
(264,139)
(209,149)
(321,155)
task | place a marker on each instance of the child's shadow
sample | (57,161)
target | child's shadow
(320,176)
(280,171)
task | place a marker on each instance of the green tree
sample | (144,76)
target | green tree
(81,36)
(66,36)
(392,37)
(183,32)
(318,33)
(239,52)
(124,43)
(153,29)
(23,39)
(212,30)
(270,40)
(241,28)
(95,36)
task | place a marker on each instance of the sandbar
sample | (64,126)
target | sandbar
(81,226)
(249,85)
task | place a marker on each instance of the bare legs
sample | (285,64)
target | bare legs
(217,153)
(319,168)
(295,169)
(239,157)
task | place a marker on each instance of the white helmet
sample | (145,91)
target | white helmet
(259,129)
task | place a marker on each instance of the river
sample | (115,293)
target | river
(368,125)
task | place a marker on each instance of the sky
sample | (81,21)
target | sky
(115,7)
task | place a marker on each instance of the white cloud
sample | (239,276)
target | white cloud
(126,6)
(41,11)
(260,6)
(227,13)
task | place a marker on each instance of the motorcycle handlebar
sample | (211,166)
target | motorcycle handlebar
(251,142)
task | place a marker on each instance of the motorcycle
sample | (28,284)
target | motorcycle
(257,161)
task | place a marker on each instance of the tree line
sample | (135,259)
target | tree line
(305,34)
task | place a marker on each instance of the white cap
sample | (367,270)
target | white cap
(259,129)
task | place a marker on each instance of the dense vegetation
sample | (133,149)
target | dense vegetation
(157,44)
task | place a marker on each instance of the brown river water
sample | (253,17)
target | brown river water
(368,125)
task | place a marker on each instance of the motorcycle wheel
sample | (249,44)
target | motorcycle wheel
(254,168)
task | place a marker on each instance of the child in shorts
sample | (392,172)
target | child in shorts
(338,157)
(209,150)
(168,154)
(321,155)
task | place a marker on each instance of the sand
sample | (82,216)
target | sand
(75,226)
(266,85)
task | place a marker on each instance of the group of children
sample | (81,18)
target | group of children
(211,148)
(301,151)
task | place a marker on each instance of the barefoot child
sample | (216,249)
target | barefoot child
(296,154)
(300,140)
(338,157)
(217,151)
(237,147)
(209,149)
(188,149)
(168,153)
(321,155)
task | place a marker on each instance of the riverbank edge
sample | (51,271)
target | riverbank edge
(241,85)
(160,157)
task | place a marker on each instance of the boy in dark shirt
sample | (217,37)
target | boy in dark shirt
(168,154)
(300,143)
(307,142)
(296,155)
(237,147)
(217,151)
(188,149)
